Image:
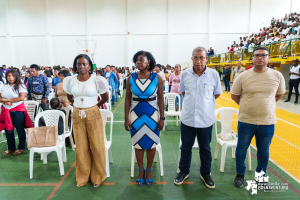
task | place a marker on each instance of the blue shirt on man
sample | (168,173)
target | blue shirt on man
(199,101)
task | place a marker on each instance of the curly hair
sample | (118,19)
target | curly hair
(149,57)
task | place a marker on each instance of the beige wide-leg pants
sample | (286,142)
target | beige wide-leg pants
(90,146)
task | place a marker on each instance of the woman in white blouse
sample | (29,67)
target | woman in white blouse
(82,90)
(13,112)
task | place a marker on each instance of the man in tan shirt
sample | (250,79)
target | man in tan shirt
(238,70)
(256,91)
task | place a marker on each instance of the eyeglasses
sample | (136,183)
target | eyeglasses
(197,59)
(260,55)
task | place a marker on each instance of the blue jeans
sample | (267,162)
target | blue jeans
(226,82)
(188,135)
(176,101)
(117,90)
(263,136)
(113,95)
(18,121)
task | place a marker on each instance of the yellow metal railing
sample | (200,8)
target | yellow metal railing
(279,49)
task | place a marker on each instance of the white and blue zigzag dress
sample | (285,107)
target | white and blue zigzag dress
(144,114)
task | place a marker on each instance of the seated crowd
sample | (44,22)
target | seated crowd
(280,29)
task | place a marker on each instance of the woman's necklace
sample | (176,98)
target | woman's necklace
(81,91)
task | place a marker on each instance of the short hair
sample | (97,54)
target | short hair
(57,68)
(35,66)
(158,65)
(99,72)
(198,49)
(108,66)
(54,103)
(178,65)
(65,73)
(82,56)
(149,57)
(271,65)
(260,48)
(48,73)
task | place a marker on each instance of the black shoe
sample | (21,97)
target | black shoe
(238,181)
(208,181)
(286,101)
(113,105)
(117,100)
(180,178)
(296,102)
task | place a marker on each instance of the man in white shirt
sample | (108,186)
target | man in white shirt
(288,36)
(285,30)
(294,80)
(294,34)
(157,68)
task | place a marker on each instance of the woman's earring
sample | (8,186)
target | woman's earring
(148,66)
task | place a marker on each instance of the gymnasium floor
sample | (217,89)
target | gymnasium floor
(48,184)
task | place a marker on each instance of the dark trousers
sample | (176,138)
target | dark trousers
(263,136)
(188,135)
(226,82)
(18,121)
(293,83)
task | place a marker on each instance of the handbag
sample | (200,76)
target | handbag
(42,136)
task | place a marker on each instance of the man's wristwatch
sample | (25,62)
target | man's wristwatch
(163,118)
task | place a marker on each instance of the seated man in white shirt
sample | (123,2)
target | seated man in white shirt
(294,34)
(289,35)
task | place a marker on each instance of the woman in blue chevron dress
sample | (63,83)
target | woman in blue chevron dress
(144,95)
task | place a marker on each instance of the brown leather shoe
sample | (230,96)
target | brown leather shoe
(18,152)
(7,152)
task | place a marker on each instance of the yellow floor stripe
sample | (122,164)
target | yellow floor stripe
(283,153)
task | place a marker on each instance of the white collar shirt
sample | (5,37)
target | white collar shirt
(295,70)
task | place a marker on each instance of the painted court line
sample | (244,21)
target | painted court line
(282,179)
(188,182)
(161,183)
(28,184)
(109,183)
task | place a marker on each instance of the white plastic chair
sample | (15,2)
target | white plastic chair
(51,118)
(166,87)
(226,115)
(108,104)
(32,108)
(51,96)
(195,146)
(170,98)
(121,88)
(106,114)
(69,132)
(158,153)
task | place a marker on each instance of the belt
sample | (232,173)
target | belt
(144,99)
